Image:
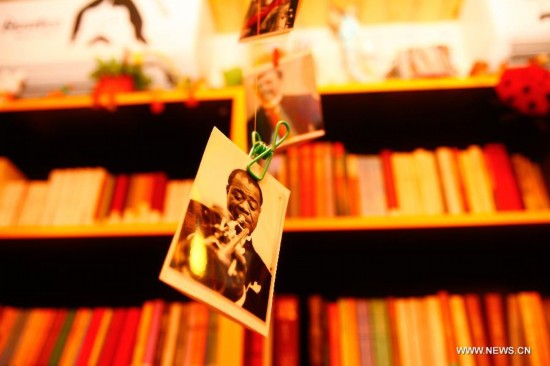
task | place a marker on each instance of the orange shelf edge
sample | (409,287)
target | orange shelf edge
(411,85)
(237,93)
(138,97)
(291,225)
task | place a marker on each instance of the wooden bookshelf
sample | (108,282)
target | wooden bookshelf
(375,256)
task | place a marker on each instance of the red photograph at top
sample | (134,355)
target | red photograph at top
(268,18)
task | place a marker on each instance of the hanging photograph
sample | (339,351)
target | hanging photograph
(226,247)
(268,18)
(285,92)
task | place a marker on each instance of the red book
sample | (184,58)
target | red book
(125,350)
(159,191)
(389,180)
(293,154)
(51,339)
(394,339)
(333,327)
(477,326)
(506,191)
(154,331)
(198,328)
(253,348)
(89,339)
(317,342)
(463,195)
(122,184)
(496,326)
(113,337)
(286,331)
(321,198)
(307,183)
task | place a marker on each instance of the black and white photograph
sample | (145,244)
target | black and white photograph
(226,248)
(268,18)
(284,92)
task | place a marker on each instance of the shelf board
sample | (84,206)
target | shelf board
(291,225)
(146,97)
(88,231)
(415,222)
(134,98)
(396,85)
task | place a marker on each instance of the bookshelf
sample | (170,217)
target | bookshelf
(97,265)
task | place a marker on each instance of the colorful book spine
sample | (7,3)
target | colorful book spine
(335,347)
(154,332)
(76,336)
(389,180)
(112,337)
(316,330)
(496,325)
(505,187)
(89,338)
(123,355)
(101,335)
(286,332)
(365,333)
(340,179)
(50,342)
(62,337)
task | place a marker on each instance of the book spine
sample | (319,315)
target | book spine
(389,180)
(286,332)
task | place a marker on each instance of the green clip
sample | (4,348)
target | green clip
(260,150)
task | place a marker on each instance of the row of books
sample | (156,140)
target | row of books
(326,181)
(82,196)
(156,333)
(440,329)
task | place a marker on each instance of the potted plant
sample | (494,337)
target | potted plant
(113,76)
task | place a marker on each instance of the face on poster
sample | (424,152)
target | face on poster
(226,248)
(287,92)
(268,18)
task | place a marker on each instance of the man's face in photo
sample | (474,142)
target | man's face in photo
(269,86)
(244,199)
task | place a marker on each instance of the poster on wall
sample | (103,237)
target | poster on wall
(58,42)
(226,247)
(268,18)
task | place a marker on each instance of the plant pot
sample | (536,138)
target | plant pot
(114,84)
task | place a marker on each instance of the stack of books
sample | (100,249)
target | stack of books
(157,332)
(90,195)
(438,329)
(327,181)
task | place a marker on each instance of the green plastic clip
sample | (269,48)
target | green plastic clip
(260,150)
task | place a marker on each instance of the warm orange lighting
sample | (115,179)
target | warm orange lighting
(197,254)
